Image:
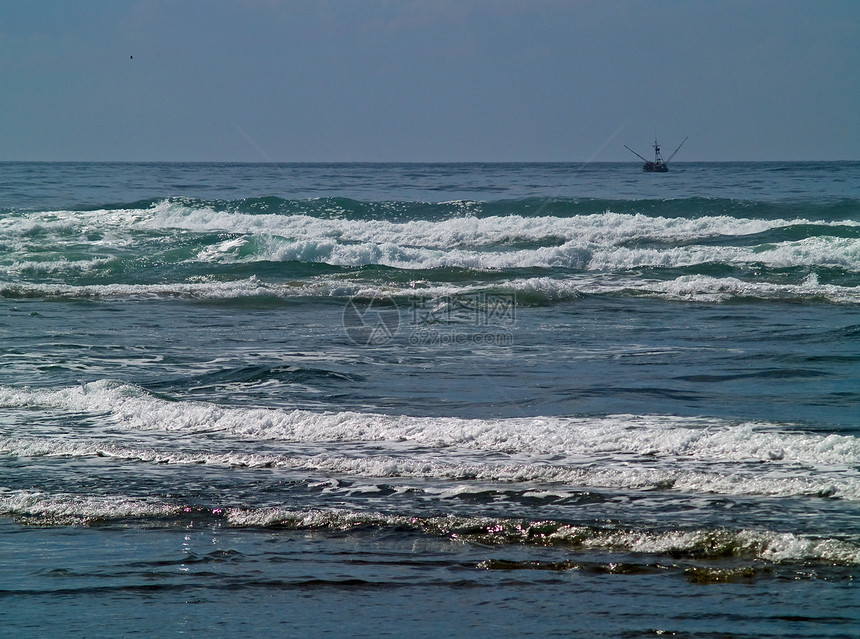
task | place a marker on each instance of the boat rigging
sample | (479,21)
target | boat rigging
(658,165)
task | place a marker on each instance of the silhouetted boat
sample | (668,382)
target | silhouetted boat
(658,165)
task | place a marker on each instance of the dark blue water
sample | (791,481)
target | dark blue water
(523,399)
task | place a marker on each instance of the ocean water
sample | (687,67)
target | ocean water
(430,400)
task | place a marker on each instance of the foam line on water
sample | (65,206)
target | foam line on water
(37,507)
(62,508)
(708,543)
(597,241)
(631,474)
(535,290)
(719,440)
(679,444)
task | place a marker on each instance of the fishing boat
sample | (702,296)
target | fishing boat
(658,165)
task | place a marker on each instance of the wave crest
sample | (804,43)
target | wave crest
(648,451)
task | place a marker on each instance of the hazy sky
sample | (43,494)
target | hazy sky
(428,80)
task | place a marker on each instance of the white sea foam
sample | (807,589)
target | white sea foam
(545,289)
(602,228)
(764,545)
(248,287)
(598,242)
(705,288)
(624,474)
(703,455)
(786,548)
(592,242)
(767,545)
(606,227)
(62,265)
(602,253)
(61,508)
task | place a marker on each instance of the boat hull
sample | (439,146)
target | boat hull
(655,167)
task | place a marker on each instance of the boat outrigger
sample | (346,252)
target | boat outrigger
(658,165)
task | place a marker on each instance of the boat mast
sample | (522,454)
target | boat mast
(657,158)
(658,165)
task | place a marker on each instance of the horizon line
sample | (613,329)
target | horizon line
(270,162)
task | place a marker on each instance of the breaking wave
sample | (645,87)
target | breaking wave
(37,508)
(620,451)
(557,249)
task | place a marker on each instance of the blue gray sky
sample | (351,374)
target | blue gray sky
(428,80)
